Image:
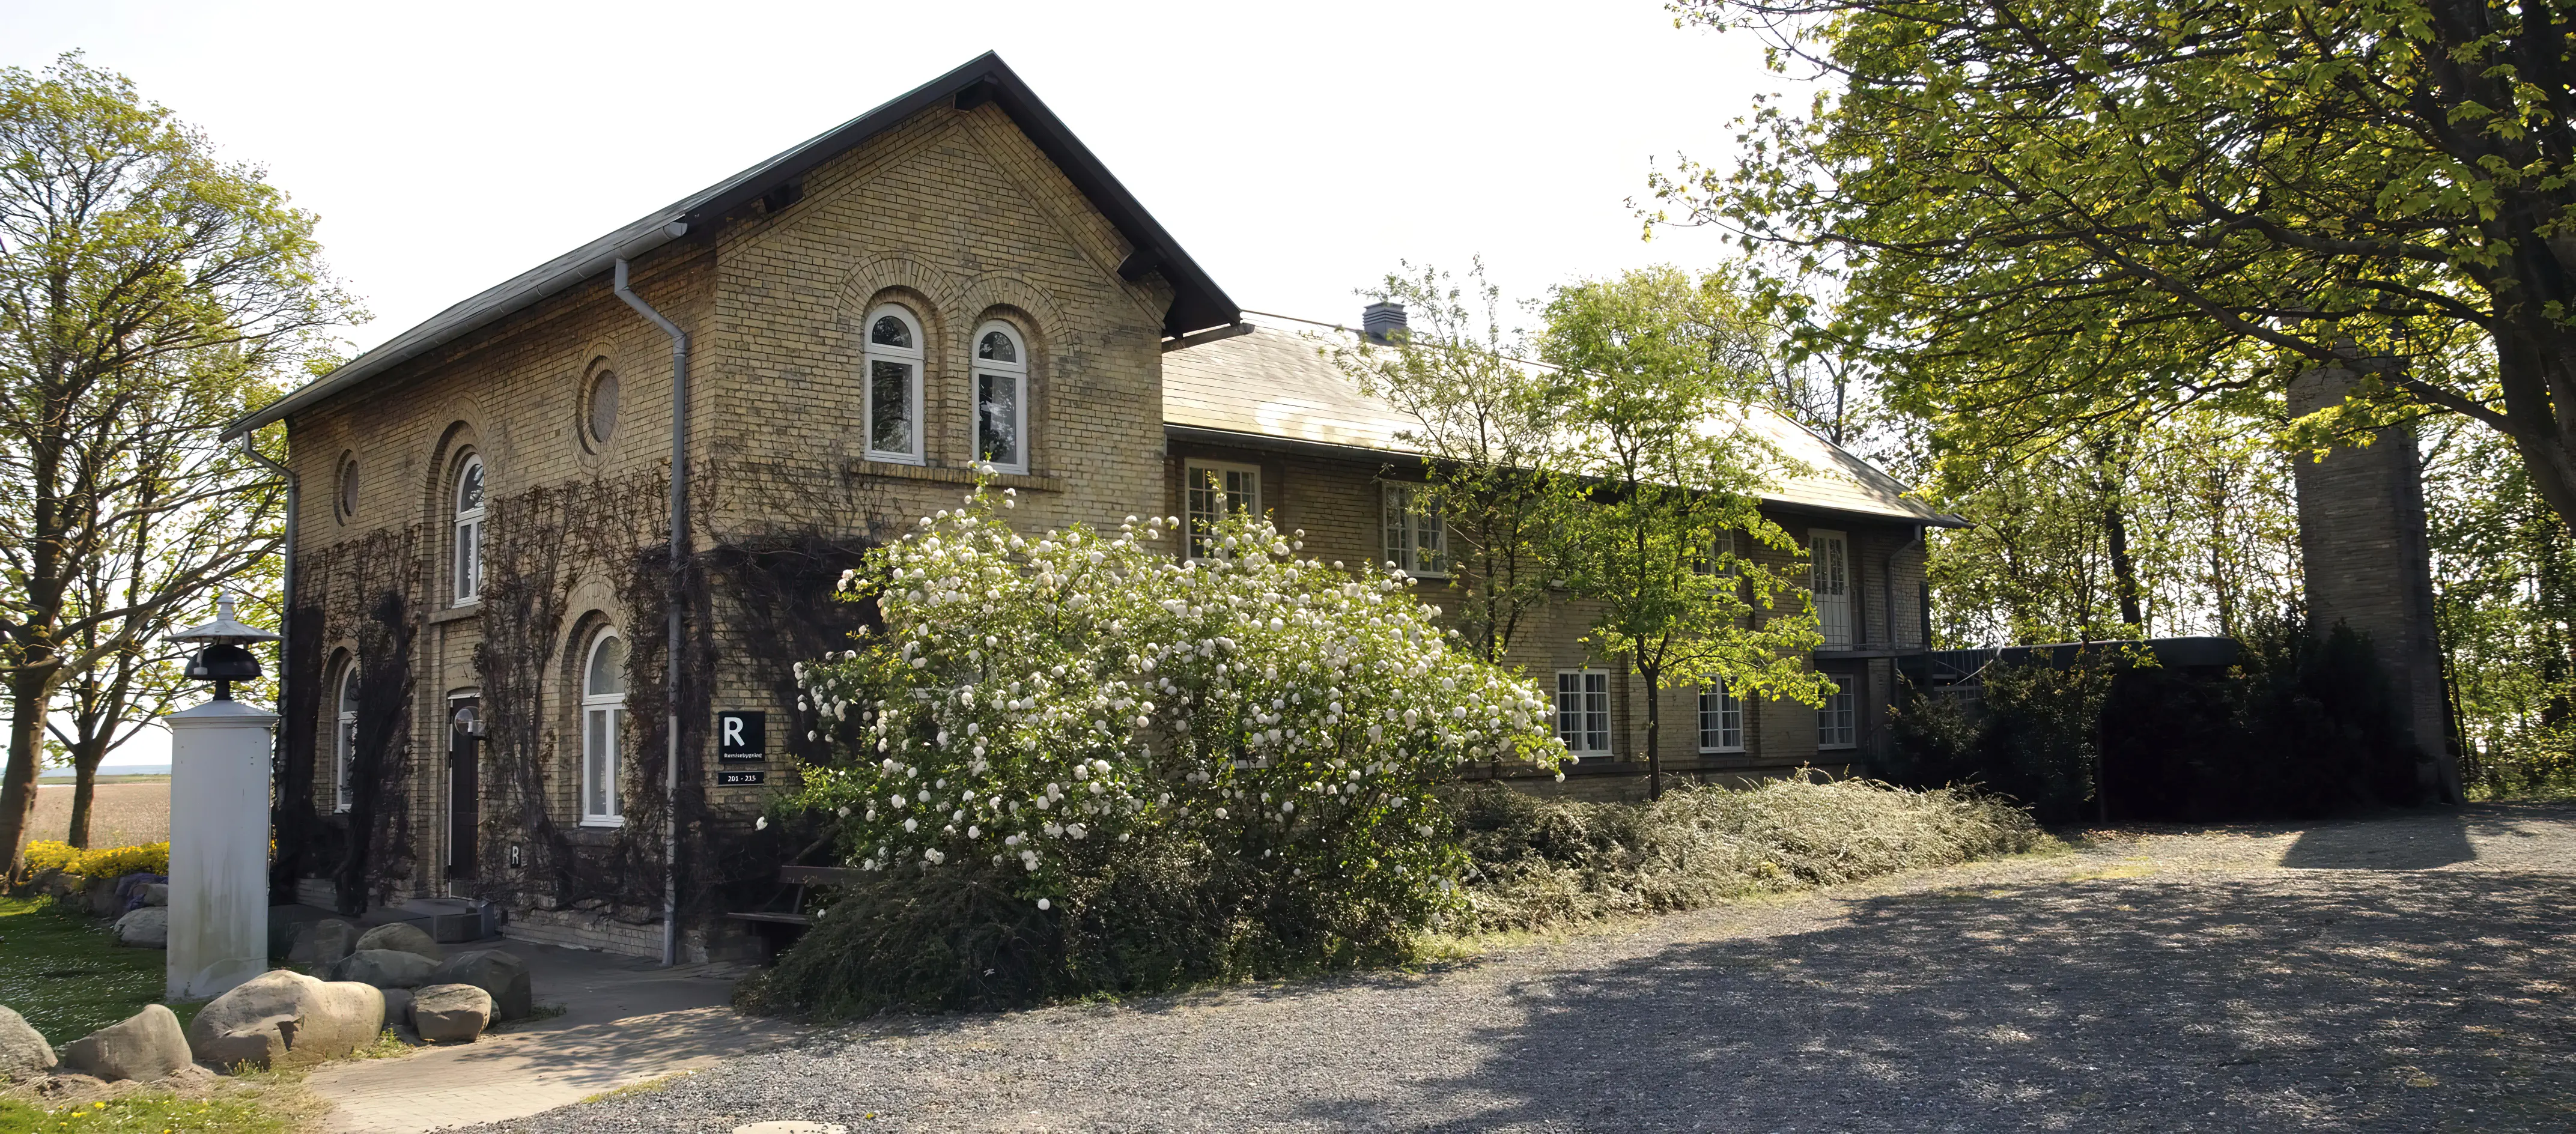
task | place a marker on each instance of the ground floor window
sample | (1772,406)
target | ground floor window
(1721,719)
(1583,710)
(1838,720)
(603,728)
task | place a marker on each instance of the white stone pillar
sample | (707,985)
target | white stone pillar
(218,847)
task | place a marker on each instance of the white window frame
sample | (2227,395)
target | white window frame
(1016,373)
(871,353)
(344,740)
(1590,713)
(1838,719)
(1200,520)
(1727,708)
(1829,580)
(1403,529)
(595,764)
(469,532)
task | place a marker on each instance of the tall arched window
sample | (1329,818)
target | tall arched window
(469,530)
(893,362)
(603,725)
(344,741)
(1001,398)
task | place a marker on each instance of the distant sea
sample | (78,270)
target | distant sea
(110,770)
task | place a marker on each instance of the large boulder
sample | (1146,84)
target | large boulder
(24,1054)
(402,938)
(451,1012)
(495,972)
(53,883)
(324,942)
(397,1007)
(283,1018)
(146,928)
(148,1045)
(103,898)
(385,968)
(155,893)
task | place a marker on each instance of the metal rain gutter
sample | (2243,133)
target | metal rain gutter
(672,601)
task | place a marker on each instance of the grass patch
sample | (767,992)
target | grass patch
(238,1113)
(1541,863)
(67,975)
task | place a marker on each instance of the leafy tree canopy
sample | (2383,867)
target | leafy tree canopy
(2043,213)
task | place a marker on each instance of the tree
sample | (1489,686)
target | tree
(2049,216)
(1486,422)
(1647,397)
(149,293)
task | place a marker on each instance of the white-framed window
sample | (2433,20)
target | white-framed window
(891,362)
(1416,535)
(1216,490)
(1001,398)
(1838,719)
(1583,710)
(1721,719)
(1829,579)
(344,741)
(603,730)
(469,530)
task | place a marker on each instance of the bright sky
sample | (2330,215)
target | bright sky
(1298,151)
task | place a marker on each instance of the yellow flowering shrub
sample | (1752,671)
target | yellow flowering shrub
(98,862)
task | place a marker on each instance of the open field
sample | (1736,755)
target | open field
(127,811)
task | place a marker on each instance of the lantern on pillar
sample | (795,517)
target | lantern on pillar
(224,658)
(219,801)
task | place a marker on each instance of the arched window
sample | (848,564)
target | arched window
(469,530)
(893,363)
(344,741)
(603,727)
(1001,398)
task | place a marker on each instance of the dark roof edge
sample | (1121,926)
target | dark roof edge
(1203,435)
(1197,302)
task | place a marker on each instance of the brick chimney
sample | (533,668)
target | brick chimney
(2370,563)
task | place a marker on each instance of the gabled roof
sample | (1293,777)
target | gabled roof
(1197,302)
(1274,387)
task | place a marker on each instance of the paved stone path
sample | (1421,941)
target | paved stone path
(624,1020)
(2399,974)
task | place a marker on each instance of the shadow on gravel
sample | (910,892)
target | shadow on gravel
(2422,842)
(2325,1001)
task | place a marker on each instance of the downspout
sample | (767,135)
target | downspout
(678,594)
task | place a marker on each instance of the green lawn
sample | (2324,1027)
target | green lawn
(67,975)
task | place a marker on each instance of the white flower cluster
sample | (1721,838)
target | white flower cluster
(1038,701)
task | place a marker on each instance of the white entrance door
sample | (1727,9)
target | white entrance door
(1829,576)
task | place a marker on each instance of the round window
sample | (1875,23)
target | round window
(348,490)
(603,405)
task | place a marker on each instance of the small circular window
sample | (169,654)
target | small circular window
(602,417)
(348,490)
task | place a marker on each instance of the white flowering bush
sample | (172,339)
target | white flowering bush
(1043,713)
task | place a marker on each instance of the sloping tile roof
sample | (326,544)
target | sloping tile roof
(1276,383)
(1197,301)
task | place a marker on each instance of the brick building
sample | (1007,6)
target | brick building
(481,695)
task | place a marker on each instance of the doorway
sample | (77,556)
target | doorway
(464,788)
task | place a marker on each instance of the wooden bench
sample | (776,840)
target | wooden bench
(785,915)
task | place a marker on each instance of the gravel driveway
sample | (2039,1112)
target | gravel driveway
(2396,974)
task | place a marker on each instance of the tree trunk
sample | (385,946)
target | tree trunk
(18,780)
(1654,730)
(86,757)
